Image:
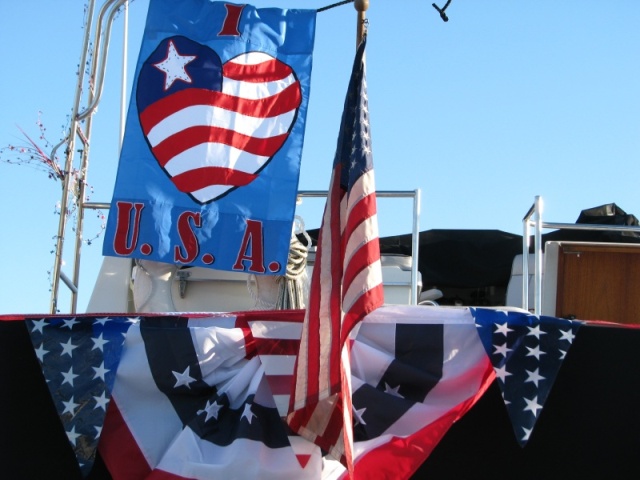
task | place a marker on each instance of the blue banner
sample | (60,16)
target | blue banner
(209,168)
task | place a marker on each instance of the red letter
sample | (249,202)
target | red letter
(231,20)
(253,236)
(123,227)
(187,237)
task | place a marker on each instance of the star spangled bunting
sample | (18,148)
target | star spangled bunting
(213,394)
(217,408)
(79,358)
(218,384)
(526,352)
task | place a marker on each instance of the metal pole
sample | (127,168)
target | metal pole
(97,76)
(538,257)
(104,42)
(68,167)
(526,233)
(415,247)
(361,6)
(525,262)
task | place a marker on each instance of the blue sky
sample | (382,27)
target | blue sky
(506,101)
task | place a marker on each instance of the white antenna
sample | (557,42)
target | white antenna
(123,93)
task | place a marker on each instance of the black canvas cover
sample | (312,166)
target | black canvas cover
(607,214)
(460,258)
(457,258)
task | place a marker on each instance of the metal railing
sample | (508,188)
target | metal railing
(538,225)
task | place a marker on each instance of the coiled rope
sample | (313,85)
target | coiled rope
(292,286)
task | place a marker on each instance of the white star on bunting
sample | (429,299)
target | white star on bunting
(503,328)
(502,349)
(41,352)
(530,355)
(534,376)
(247,413)
(567,335)
(101,401)
(38,325)
(211,409)
(73,436)
(183,378)
(68,377)
(392,391)
(502,373)
(532,405)
(67,348)
(99,343)
(100,371)
(70,407)
(535,352)
(69,323)
(536,332)
(357,415)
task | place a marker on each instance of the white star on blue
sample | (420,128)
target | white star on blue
(526,352)
(79,357)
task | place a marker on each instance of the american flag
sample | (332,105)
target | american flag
(346,282)
(526,352)
(79,358)
(212,126)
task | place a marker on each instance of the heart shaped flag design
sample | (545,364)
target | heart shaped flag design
(213,127)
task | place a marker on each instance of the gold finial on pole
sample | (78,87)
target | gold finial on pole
(361,6)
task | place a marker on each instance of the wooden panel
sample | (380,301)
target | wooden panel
(599,282)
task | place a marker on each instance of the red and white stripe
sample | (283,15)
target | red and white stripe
(346,285)
(209,141)
(277,344)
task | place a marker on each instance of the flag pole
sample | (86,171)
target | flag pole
(361,7)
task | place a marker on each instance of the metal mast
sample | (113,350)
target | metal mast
(85,103)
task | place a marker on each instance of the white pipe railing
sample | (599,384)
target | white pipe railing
(536,212)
